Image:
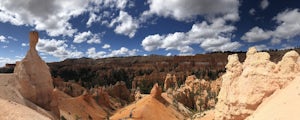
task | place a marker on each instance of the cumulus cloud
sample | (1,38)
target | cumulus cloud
(87,36)
(261,47)
(168,54)
(126,25)
(119,4)
(219,44)
(91,52)
(256,34)
(93,18)
(24,44)
(187,9)
(287,28)
(215,36)
(106,46)
(264,4)
(98,10)
(4,60)
(123,51)
(57,48)
(3,39)
(49,15)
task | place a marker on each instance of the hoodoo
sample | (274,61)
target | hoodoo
(33,78)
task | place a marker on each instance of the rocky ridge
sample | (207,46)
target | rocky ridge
(247,86)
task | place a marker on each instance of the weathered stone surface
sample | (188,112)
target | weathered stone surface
(246,85)
(170,82)
(156,91)
(33,78)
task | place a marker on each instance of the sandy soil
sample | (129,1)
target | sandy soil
(13,111)
(148,108)
(282,105)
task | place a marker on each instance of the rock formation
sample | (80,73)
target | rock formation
(71,88)
(33,78)
(119,90)
(156,91)
(155,106)
(170,82)
(197,94)
(246,85)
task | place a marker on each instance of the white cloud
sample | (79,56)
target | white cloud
(24,44)
(5,46)
(215,36)
(126,25)
(106,46)
(4,60)
(256,34)
(95,39)
(123,51)
(187,9)
(152,42)
(252,11)
(289,24)
(169,54)
(87,36)
(264,4)
(219,44)
(93,18)
(49,15)
(98,10)
(288,27)
(3,39)
(261,47)
(57,48)
(119,4)
(91,52)
(82,37)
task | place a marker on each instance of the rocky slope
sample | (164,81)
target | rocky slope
(196,94)
(151,107)
(14,111)
(257,85)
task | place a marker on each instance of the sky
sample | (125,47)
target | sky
(114,28)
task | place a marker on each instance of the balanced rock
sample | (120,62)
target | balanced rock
(33,77)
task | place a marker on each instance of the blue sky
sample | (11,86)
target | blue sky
(112,28)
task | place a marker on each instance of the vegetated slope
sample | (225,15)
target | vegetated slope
(138,71)
(144,71)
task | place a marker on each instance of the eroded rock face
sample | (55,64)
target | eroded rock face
(33,78)
(246,85)
(156,91)
(170,82)
(197,94)
(119,90)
